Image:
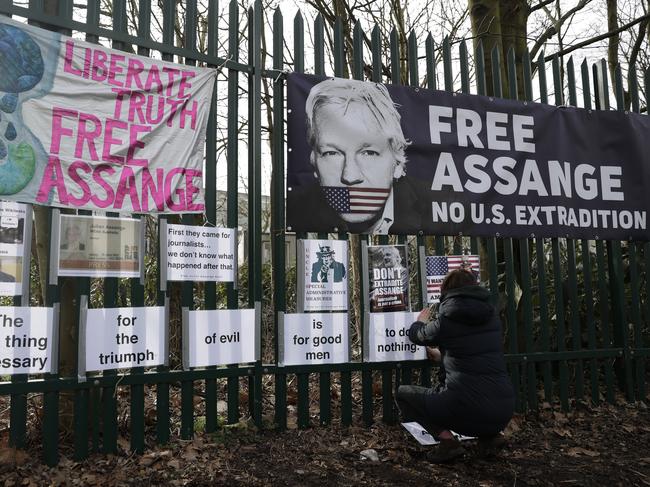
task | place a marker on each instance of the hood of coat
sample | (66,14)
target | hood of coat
(468,304)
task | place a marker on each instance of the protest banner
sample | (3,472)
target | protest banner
(13,218)
(27,341)
(194,253)
(118,338)
(440,163)
(314,338)
(323,284)
(388,278)
(95,128)
(94,246)
(386,338)
(219,337)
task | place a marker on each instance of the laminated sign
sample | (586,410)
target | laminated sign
(95,128)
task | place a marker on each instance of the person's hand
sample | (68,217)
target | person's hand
(433,354)
(425,315)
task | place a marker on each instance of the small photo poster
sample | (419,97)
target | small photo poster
(437,267)
(388,278)
(325,275)
(95,246)
(195,253)
(12,247)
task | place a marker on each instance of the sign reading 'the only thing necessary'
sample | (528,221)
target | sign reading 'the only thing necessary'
(219,337)
(388,338)
(314,338)
(118,338)
(26,340)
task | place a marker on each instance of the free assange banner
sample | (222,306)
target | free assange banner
(95,128)
(370,158)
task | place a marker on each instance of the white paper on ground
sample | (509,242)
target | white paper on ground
(419,433)
(424,437)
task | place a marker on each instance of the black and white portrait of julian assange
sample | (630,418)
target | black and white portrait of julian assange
(358,156)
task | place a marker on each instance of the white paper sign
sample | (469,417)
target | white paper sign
(118,338)
(315,338)
(388,339)
(220,337)
(200,253)
(12,245)
(26,340)
(326,275)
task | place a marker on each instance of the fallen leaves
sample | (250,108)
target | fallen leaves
(577,451)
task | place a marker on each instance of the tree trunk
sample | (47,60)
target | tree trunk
(486,29)
(514,19)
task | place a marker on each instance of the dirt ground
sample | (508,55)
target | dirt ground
(606,445)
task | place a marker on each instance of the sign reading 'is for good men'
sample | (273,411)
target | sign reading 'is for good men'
(315,338)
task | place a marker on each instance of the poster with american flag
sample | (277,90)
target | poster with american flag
(437,267)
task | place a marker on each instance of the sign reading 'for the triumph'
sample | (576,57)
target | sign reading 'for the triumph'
(369,158)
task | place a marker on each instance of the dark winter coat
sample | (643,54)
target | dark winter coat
(477,397)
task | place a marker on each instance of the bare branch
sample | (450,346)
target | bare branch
(597,38)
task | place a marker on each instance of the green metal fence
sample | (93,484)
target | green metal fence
(575,312)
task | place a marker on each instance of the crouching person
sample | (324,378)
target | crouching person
(475,396)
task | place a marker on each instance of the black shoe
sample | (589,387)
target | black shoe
(447,451)
(490,446)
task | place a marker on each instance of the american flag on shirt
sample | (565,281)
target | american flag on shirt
(356,200)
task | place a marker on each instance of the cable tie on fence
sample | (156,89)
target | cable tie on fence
(280,74)
(207,222)
(117,384)
(224,63)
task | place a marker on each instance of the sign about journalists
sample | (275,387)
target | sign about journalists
(219,337)
(193,253)
(314,338)
(118,338)
(26,340)
(96,128)
(369,158)
(387,339)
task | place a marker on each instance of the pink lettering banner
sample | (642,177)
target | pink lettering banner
(88,127)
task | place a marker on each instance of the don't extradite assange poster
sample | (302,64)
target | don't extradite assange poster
(89,127)
(370,158)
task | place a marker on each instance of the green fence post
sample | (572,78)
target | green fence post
(277,222)
(232,194)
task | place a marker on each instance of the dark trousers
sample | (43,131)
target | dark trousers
(412,404)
